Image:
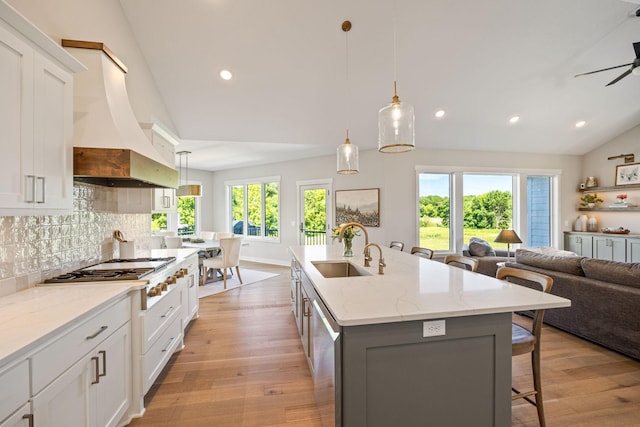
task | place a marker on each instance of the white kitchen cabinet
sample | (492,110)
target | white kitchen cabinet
(14,393)
(36,118)
(189,301)
(83,377)
(21,418)
(164,199)
(610,248)
(95,391)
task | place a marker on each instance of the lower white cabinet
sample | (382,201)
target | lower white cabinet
(633,250)
(95,391)
(21,418)
(190,290)
(14,394)
(620,248)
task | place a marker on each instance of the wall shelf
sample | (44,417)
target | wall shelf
(635,209)
(611,188)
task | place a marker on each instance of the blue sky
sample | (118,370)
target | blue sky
(438,184)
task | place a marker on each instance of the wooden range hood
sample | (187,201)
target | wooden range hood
(109,146)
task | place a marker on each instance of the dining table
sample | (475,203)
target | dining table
(207,249)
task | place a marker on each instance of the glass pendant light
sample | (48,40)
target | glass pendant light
(347,153)
(396,132)
(187,190)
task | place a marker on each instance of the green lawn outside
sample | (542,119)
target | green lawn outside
(437,238)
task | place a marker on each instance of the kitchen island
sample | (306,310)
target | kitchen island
(422,344)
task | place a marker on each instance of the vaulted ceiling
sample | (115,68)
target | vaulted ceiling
(481,61)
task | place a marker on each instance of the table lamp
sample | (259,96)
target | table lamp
(508,236)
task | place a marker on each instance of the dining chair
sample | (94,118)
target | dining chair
(172,242)
(462,261)
(208,235)
(527,339)
(157,242)
(229,258)
(396,245)
(422,252)
(222,235)
(166,233)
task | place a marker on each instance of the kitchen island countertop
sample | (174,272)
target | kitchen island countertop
(412,288)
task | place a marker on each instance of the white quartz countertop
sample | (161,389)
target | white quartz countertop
(28,318)
(412,288)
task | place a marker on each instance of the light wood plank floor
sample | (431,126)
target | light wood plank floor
(243,366)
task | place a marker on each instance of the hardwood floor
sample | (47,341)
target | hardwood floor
(243,366)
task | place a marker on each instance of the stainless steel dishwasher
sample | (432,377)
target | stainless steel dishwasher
(326,363)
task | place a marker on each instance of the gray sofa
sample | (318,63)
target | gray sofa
(487,264)
(605,298)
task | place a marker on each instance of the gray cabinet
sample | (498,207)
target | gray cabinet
(621,248)
(610,248)
(579,243)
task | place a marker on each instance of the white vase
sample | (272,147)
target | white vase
(583,222)
(592,225)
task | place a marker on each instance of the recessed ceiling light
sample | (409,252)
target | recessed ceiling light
(514,119)
(580,124)
(226,75)
(440,114)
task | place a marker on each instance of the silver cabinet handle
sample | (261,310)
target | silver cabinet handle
(167,313)
(97,377)
(41,179)
(28,417)
(104,363)
(102,329)
(168,345)
(30,183)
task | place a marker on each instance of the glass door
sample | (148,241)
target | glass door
(314,213)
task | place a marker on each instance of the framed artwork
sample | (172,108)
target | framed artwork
(361,206)
(628,174)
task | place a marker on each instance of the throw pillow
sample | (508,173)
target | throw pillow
(551,251)
(563,264)
(622,273)
(479,247)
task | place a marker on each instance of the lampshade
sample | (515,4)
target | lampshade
(348,163)
(187,190)
(396,132)
(347,153)
(508,236)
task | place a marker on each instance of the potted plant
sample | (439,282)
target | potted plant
(590,200)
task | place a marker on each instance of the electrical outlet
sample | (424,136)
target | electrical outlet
(434,328)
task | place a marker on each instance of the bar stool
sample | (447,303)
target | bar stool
(527,340)
(396,245)
(462,262)
(422,252)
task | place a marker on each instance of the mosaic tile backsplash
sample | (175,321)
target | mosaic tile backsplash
(35,248)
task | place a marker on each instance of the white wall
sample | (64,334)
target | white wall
(396,177)
(102,21)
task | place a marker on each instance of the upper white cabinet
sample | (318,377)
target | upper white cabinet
(36,118)
(164,199)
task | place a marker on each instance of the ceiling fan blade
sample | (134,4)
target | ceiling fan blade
(620,77)
(636,48)
(604,69)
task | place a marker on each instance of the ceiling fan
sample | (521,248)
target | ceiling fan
(635,64)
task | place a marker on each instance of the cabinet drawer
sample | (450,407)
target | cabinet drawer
(56,357)
(160,352)
(18,418)
(14,388)
(159,315)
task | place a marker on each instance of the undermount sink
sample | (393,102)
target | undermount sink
(332,269)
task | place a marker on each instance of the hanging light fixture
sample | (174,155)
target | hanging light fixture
(396,133)
(187,190)
(348,161)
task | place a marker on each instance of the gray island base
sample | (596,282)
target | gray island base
(425,344)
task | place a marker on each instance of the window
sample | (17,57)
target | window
(455,205)
(186,216)
(487,206)
(255,208)
(434,208)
